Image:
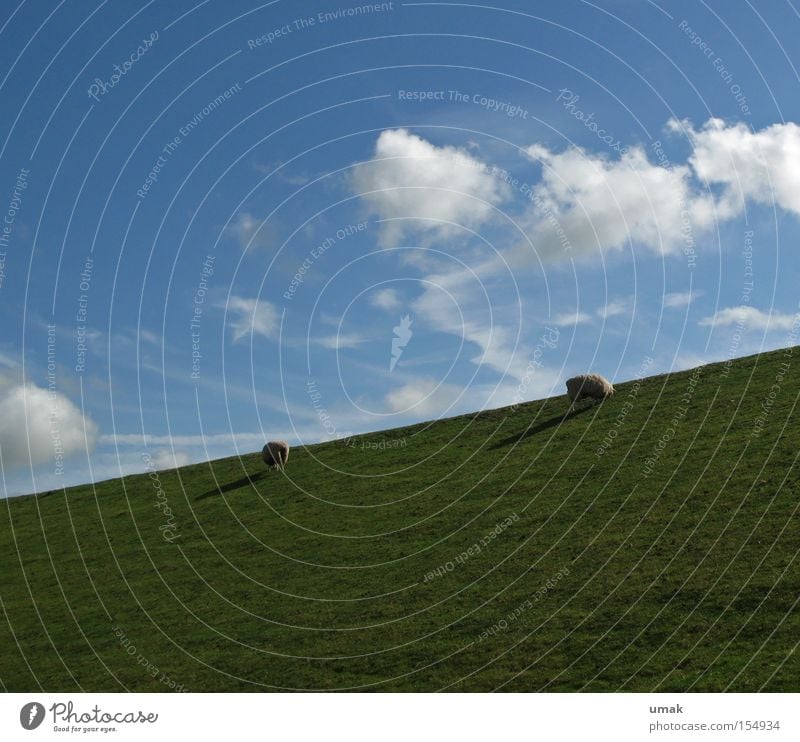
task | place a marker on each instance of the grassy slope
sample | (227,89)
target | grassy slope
(684,579)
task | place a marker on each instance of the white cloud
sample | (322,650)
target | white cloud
(386,299)
(278,169)
(585,201)
(686,359)
(423,397)
(166,458)
(613,309)
(341,340)
(251,232)
(588,202)
(425,188)
(751,319)
(538,384)
(53,426)
(760,166)
(567,319)
(246,316)
(149,337)
(455,303)
(238,440)
(678,300)
(7,361)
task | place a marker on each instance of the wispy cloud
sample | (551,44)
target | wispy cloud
(252,316)
(386,299)
(149,337)
(251,232)
(679,300)
(167,458)
(613,308)
(751,319)
(341,340)
(423,396)
(454,303)
(567,319)
(279,170)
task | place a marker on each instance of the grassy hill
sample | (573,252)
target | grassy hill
(648,543)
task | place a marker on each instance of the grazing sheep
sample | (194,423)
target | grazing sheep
(275,454)
(592,386)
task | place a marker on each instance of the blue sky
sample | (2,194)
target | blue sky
(230,223)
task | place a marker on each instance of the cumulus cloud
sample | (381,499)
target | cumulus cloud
(760,166)
(386,299)
(46,420)
(422,188)
(588,201)
(751,319)
(246,316)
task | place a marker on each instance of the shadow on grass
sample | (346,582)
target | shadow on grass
(544,425)
(222,489)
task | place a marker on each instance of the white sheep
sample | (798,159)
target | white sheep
(275,454)
(592,386)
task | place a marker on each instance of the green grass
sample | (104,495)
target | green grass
(683,579)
